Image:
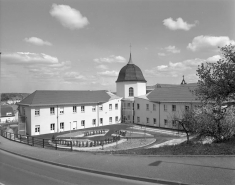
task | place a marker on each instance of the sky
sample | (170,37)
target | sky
(83,44)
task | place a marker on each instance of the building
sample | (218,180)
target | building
(133,103)
(7,114)
(57,111)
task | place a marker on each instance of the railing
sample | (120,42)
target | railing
(38,142)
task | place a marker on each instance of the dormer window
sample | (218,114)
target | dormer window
(131,91)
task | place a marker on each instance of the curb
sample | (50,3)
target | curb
(151,180)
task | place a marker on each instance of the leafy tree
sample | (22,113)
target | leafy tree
(217,123)
(217,80)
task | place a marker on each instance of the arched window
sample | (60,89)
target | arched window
(131,91)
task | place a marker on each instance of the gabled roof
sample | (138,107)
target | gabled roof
(179,93)
(6,109)
(40,97)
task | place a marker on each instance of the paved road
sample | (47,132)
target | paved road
(15,170)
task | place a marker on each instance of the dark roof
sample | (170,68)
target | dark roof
(66,97)
(179,93)
(6,109)
(131,72)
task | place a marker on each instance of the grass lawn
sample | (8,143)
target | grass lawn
(225,148)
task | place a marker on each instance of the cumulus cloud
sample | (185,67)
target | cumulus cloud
(28,58)
(111,59)
(178,24)
(108,73)
(68,17)
(172,49)
(161,54)
(73,76)
(37,41)
(101,67)
(39,64)
(209,42)
(176,69)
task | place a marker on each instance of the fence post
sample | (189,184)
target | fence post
(20,138)
(56,145)
(42,143)
(32,141)
(71,145)
(14,137)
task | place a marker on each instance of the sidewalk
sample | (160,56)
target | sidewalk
(188,170)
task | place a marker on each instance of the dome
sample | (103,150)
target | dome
(130,72)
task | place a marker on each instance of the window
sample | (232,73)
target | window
(138,106)
(154,121)
(147,106)
(53,126)
(101,107)
(165,107)
(82,108)
(186,108)
(37,112)
(83,123)
(154,106)
(110,119)
(138,119)
(8,114)
(173,123)
(101,120)
(110,106)
(61,110)
(129,105)
(147,120)
(116,106)
(62,125)
(116,118)
(173,107)
(74,109)
(131,91)
(37,128)
(93,108)
(52,110)
(94,122)
(165,122)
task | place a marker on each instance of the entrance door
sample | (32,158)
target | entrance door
(61,126)
(74,125)
(37,129)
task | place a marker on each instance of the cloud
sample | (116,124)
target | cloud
(176,69)
(111,59)
(178,24)
(161,54)
(108,73)
(40,65)
(37,41)
(209,42)
(73,76)
(101,67)
(28,58)
(172,49)
(68,17)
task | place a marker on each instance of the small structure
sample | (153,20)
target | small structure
(7,114)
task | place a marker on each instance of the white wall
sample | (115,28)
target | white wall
(123,88)
(45,118)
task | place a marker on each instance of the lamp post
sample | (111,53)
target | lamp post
(70,131)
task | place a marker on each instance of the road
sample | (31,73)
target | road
(16,170)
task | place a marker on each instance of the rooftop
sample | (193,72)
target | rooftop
(45,97)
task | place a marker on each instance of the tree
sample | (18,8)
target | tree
(217,80)
(186,119)
(217,123)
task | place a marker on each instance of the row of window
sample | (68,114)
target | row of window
(52,125)
(61,109)
(165,107)
(155,121)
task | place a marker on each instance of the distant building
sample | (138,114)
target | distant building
(7,114)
